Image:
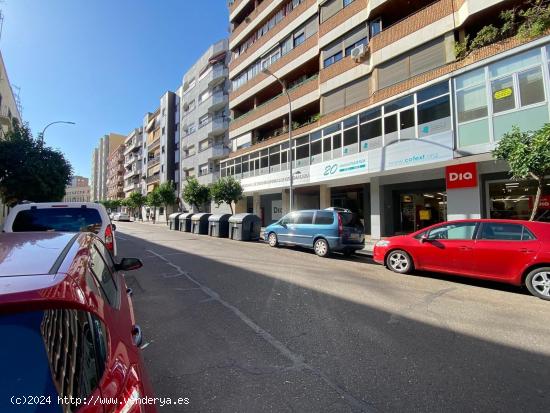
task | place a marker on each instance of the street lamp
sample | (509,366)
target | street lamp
(285,90)
(53,123)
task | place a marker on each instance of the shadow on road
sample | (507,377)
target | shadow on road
(233,339)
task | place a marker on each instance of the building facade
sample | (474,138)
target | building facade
(387,121)
(78,190)
(115,173)
(205,116)
(133,162)
(98,179)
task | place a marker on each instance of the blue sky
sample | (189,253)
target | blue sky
(101,63)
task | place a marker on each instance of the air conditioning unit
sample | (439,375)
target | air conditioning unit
(358,52)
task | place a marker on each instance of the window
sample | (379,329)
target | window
(505,232)
(203,169)
(472,104)
(503,94)
(350,141)
(332,59)
(52,353)
(327,149)
(316,148)
(369,131)
(104,276)
(434,116)
(531,87)
(347,2)
(336,146)
(460,231)
(305,217)
(57,219)
(299,38)
(375,27)
(324,218)
(354,45)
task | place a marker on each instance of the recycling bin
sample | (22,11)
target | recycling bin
(245,227)
(199,223)
(218,225)
(174,221)
(185,221)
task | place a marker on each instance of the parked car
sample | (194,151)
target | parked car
(67,326)
(509,251)
(326,231)
(63,217)
(121,216)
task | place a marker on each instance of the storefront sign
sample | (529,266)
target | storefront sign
(461,176)
(275,180)
(412,152)
(356,164)
(276,210)
(544,202)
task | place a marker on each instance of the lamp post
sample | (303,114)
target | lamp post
(53,123)
(289,160)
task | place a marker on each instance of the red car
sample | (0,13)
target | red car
(69,338)
(509,251)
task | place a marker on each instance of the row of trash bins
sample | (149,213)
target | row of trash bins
(239,227)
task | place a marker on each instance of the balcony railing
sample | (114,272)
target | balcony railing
(153,178)
(153,161)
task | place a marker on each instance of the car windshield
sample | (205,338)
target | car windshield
(350,220)
(58,219)
(48,353)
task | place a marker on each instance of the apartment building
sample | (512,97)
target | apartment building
(205,115)
(10,110)
(387,121)
(115,173)
(78,190)
(98,178)
(133,162)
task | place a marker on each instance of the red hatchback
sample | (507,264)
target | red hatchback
(514,252)
(69,338)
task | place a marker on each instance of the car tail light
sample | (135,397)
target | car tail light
(130,400)
(109,238)
(340,225)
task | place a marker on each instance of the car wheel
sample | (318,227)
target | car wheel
(538,282)
(321,247)
(399,261)
(272,240)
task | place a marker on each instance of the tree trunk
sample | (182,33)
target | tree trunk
(540,187)
(231,206)
(166,212)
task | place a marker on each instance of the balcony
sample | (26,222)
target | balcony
(215,102)
(153,161)
(132,146)
(5,116)
(153,178)
(132,172)
(306,87)
(214,127)
(217,76)
(132,187)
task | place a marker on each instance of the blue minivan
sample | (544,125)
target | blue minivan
(328,230)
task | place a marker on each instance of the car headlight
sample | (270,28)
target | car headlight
(382,243)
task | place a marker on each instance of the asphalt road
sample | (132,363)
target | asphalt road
(241,327)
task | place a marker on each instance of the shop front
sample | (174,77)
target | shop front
(509,199)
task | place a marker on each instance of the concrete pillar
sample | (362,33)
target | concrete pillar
(375,208)
(256,205)
(285,197)
(324,197)
(464,203)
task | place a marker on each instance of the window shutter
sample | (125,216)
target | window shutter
(428,56)
(357,91)
(334,101)
(393,72)
(329,9)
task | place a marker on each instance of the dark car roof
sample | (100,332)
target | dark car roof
(32,253)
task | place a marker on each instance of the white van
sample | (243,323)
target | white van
(63,217)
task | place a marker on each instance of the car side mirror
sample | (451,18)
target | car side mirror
(424,238)
(129,264)
(283,224)
(114,227)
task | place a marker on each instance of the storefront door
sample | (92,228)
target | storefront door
(419,210)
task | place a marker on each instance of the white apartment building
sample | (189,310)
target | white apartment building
(133,162)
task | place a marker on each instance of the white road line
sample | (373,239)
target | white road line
(296,359)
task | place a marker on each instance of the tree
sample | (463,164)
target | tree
(154,201)
(195,194)
(29,170)
(167,195)
(226,190)
(137,201)
(528,154)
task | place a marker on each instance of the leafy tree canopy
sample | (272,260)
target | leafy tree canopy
(29,170)
(226,190)
(196,194)
(528,155)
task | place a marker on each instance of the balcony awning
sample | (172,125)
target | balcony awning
(217,58)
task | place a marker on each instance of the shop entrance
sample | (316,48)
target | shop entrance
(419,210)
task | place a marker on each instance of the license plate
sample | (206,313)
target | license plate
(354,237)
